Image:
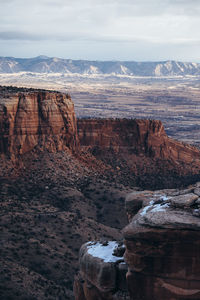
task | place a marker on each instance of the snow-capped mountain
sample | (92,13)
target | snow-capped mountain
(44,64)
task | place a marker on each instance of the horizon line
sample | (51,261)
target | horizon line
(99,60)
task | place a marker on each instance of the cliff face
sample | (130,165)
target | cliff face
(43,119)
(135,136)
(132,150)
(162,244)
(47,120)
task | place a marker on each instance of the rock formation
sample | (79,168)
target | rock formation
(140,152)
(134,136)
(137,152)
(102,273)
(36,118)
(30,118)
(162,244)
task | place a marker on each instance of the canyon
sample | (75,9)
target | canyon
(61,180)
(45,120)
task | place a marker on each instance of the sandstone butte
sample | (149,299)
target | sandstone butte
(160,256)
(43,119)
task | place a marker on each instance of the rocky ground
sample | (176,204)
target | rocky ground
(50,205)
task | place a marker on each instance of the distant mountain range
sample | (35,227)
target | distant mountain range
(44,64)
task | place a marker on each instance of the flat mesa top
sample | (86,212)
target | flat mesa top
(14,90)
(8,93)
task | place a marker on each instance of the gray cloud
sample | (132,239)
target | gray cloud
(25,36)
(161,24)
(13,35)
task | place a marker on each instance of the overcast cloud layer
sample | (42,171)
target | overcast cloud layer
(101,29)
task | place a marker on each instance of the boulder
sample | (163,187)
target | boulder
(102,272)
(186,200)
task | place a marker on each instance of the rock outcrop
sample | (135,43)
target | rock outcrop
(162,243)
(134,136)
(102,273)
(36,118)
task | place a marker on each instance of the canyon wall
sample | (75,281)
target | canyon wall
(36,118)
(30,118)
(135,136)
(132,150)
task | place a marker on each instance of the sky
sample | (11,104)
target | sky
(139,30)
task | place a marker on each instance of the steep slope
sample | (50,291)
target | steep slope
(138,150)
(134,136)
(49,208)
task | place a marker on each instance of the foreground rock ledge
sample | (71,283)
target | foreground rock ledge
(162,244)
(102,272)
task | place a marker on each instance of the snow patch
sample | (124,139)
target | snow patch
(159,207)
(165,198)
(145,209)
(155,207)
(104,252)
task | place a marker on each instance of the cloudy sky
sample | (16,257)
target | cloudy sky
(101,29)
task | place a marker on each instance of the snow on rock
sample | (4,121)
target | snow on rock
(156,207)
(159,207)
(146,208)
(104,252)
(165,198)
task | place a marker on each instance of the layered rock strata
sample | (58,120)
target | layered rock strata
(44,119)
(36,118)
(135,136)
(162,243)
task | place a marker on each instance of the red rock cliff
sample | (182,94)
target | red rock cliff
(132,149)
(39,118)
(162,244)
(136,136)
